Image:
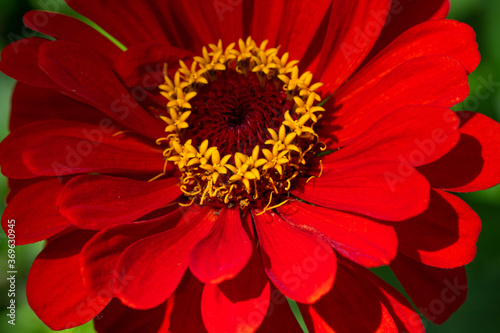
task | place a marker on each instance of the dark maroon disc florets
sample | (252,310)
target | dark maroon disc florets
(234,112)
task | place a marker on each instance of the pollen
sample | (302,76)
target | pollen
(240,125)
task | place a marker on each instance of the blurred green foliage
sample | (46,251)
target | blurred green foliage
(481,311)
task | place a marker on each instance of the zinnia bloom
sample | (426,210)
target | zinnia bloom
(233,153)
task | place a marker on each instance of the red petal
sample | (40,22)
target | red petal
(279,315)
(406,319)
(78,148)
(202,28)
(183,308)
(20,61)
(295,35)
(55,289)
(143,64)
(118,318)
(88,148)
(414,135)
(173,25)
(224,252)
(436,292)
(301,266)
(35,213)
(83,72)
(11,147)
(444,236)
(376,189)
(474,163)
(354,28)
(130,21)
(442,12)
(436,38)
(160,261)
(68,28)
(349,307)
(224,18)
(31,104)
(239,304)
(97,201)
(266,20)
(358,238)
(405,14)
(100,255)
(435,80)
(17,185)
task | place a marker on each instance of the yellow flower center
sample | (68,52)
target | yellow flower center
(218,111)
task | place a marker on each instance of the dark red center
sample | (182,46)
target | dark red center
(234,112)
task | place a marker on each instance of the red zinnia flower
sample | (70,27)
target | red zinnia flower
(192,181)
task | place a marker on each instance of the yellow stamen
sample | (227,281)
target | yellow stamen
(238,178)
(187,205)
(320,173)
(122,132)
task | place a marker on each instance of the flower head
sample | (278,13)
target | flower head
(223,159)
(227,108)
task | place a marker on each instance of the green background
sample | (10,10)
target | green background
(481,311)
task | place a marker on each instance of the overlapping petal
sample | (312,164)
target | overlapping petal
(152,266)
(97,201)
(64,27)
(84,73)
(341,310)
(159,261)
(100,255)
(20,61)
(300,265)
(353,29)
(444,236)
(117,316)
(55,287)
(224,252)
(415,82)
(239,304)
(87,149)
(298,37)
(377,189)
(33,104)
(412,135)
(183,307)
(143,64)
(363,240)
(436,292)
(131,22)
(476,153)
(35,212)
